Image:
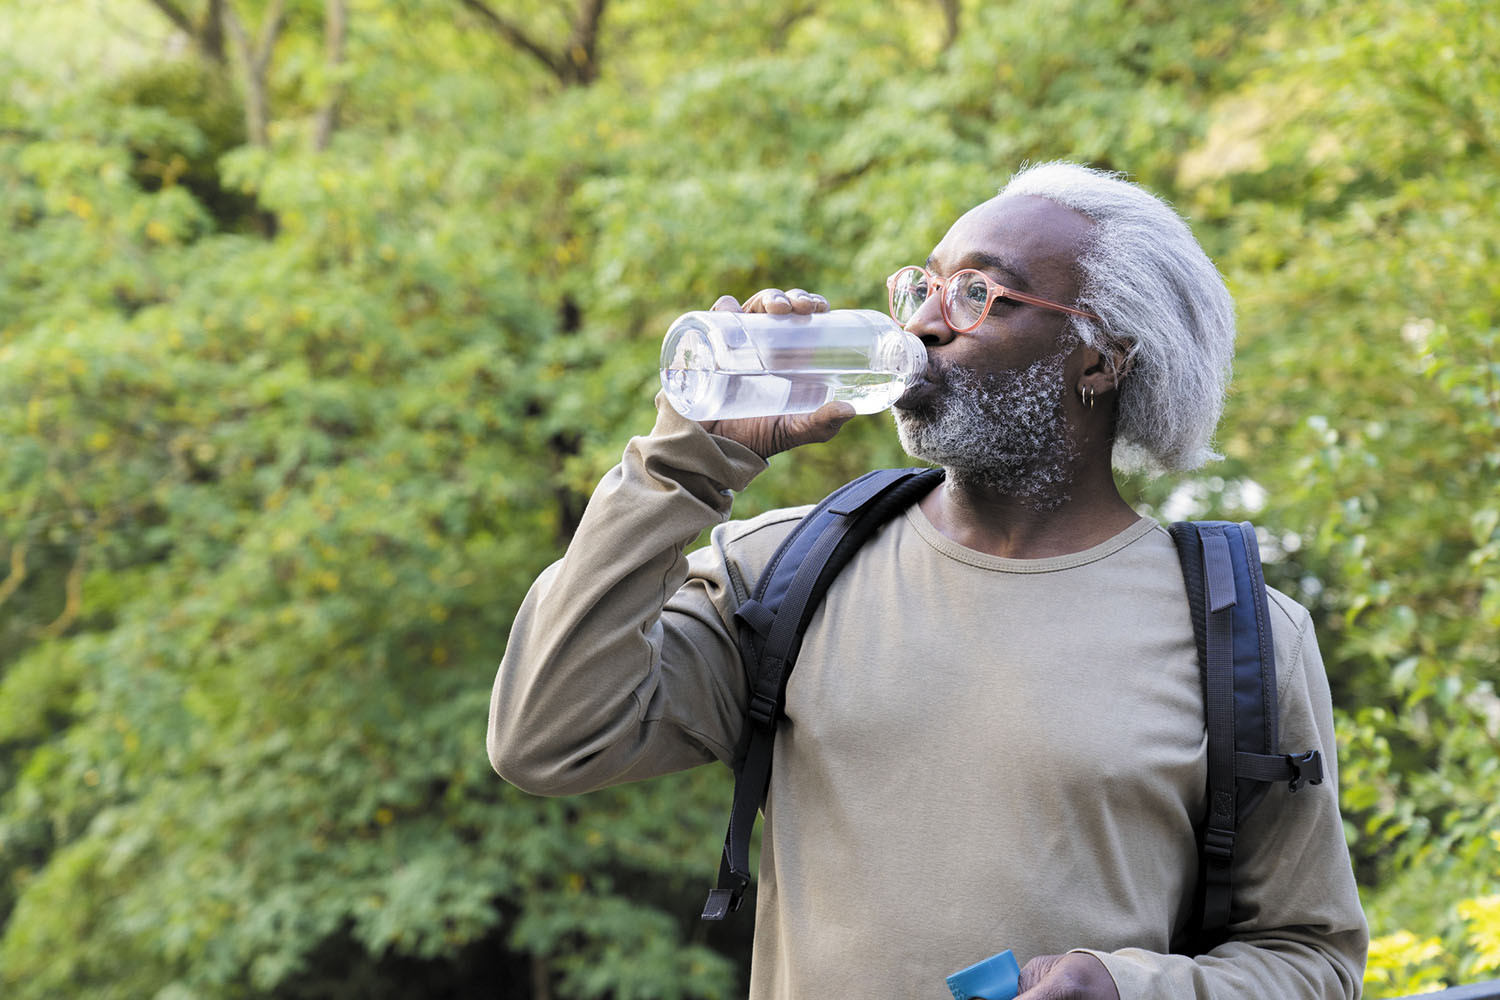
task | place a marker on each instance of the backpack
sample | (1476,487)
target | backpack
(1226,594)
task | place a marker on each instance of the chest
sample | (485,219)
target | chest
(1079,675)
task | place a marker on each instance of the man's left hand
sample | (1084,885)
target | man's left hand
(1075,976)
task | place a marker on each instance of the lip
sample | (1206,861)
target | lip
(917,393)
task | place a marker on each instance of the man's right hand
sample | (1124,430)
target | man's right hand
(766,436)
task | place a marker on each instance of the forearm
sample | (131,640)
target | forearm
(597,685)
(1294,965)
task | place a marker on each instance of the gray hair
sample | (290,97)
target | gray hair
(1157,293)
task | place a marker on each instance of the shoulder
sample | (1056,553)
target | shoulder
(1286,614)
(768,528)
(1294,641)
(1291,623)
(744,548)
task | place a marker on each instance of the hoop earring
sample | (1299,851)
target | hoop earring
(1086,396)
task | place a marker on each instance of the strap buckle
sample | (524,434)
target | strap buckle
(1307,768)
(722,902)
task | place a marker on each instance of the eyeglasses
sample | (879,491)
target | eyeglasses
(966,299)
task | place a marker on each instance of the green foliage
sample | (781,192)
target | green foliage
(200,119)
(289,432)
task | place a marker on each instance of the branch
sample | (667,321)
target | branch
(336,31)
(950,23)
(211,38)
(237,34)
(270,30)
(782,26)
(576,64)
(73,602)
(208,37)
(177,16)
(513,34)
(585,40)
(17,576)
(787,21)
(256,61)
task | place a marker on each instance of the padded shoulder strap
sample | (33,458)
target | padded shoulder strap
(1231,623)
(771,625)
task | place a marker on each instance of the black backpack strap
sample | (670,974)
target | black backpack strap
(771,625)
(1231,623)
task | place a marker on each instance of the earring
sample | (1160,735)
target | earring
(1086,396)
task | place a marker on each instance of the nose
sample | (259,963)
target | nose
(928,325)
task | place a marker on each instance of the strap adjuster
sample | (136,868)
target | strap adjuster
(762,710)
(1218,843)
(1307,768)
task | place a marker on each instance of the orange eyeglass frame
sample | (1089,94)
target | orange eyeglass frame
(994,291)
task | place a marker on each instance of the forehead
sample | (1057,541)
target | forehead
(1040,239)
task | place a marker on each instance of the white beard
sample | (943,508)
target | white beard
(1006,431)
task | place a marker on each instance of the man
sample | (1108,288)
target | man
(994,737)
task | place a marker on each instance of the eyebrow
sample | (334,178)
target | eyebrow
(985,261)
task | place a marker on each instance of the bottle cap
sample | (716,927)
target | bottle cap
(996,978)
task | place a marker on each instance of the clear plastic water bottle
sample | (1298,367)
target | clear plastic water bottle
(724,365)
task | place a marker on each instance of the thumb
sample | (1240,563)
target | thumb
(826,421)
(1075,976)
(1034,974)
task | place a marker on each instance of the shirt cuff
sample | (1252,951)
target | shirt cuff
(717,458)
(1130,987)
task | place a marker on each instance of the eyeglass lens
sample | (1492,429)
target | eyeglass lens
(964,296)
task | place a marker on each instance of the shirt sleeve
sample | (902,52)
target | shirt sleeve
(1303,932)
(622,662)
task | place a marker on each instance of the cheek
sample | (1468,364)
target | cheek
(1015,343)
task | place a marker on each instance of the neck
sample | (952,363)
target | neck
(984,518)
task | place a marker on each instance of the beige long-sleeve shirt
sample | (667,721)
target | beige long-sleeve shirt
(978,753)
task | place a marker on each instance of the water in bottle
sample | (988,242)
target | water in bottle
(724,365)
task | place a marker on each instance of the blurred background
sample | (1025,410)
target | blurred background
(319,320)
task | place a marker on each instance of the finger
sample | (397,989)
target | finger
(769,300)
(1034,971)
(778,302)
(726,303)
(804,302)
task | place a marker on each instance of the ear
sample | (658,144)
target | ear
(1105,369)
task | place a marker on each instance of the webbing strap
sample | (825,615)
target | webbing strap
(734,865)
(1295,769)
(1219,601)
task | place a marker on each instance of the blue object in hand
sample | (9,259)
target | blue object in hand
(996,978)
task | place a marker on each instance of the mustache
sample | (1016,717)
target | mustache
(939,372)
